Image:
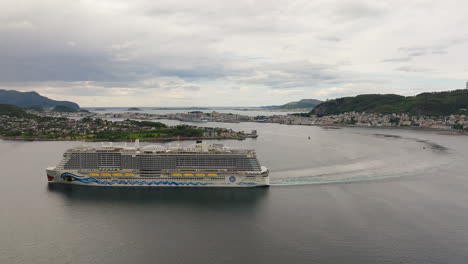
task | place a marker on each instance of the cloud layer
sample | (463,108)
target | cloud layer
(243,53)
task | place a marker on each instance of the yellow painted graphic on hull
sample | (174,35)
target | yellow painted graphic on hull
(129,174)
(212,174)
(94,174)
(105,174)
(176,174)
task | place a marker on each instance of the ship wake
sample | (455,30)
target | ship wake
(426,155)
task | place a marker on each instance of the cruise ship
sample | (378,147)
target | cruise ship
(199,165)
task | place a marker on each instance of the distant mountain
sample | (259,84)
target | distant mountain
(432,104)
(304,103)
(28,99)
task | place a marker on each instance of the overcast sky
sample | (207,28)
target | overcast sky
(230,53)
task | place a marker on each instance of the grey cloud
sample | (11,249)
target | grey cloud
(146,45)
(55,67)
(358,10)
(403,59)
(439,52)
(191,88)
(419,51)
(331,38)
(15,25)
(291,75)
(413,69)
(417,54)
(440,48)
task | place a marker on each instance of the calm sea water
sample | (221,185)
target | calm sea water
(252,112)
(344,196)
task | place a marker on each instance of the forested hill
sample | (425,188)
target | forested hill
(304,103)
(432,104)
(13,111)
(28,99)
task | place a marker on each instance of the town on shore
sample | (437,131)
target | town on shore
(48,126)
(128,126)
(37,117)
(359,119)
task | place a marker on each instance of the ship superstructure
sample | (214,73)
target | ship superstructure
(199,165)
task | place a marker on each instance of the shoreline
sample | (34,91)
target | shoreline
(168,139)
(276,110)
(339,126)
(441,131)
(392,127)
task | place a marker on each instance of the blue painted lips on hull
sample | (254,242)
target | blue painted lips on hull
(70,177)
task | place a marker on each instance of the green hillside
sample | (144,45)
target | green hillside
(13,111)
(304,103)
(432,104)
(64,109)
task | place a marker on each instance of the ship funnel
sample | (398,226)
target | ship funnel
(203,147)
(137,143)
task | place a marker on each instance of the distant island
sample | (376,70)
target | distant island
(429,104)
(304,103)
(180,108)
(31,99)
(301,104)
(134,109)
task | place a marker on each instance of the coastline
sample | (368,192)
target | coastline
(338,126)
(165,139)
(276,110)
(451,132)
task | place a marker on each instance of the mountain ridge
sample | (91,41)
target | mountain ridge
(429,103)
(303,103)
(29,99)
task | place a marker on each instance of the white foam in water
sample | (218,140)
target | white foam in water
(371,168)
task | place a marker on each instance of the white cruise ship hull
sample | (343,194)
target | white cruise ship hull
(198,165)
(165,180)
